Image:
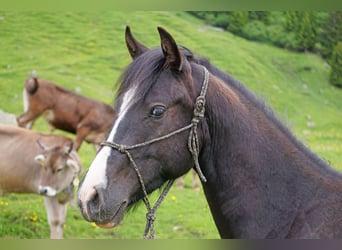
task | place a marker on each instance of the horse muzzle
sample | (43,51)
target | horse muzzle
(99,209)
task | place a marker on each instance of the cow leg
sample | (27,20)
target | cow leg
(26,119)
(180,182)
(96,147)
(52,128)
(195,180)
(56,214)
(81,134)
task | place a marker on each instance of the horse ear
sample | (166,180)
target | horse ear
(170,49)
(135,48)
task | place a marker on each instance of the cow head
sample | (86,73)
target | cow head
(60,168)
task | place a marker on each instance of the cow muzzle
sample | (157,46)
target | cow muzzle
(47,191)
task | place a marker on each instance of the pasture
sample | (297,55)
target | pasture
(86,52)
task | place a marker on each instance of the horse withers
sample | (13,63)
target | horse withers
(176,112)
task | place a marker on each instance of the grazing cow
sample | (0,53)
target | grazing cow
(32,162)
(89,119)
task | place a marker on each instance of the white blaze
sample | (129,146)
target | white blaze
(96,175)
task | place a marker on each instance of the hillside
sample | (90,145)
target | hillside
(86,52)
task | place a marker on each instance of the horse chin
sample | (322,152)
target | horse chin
(116,219)
(107,225)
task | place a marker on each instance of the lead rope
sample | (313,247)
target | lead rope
(199,110)
(150,215)
(193,147)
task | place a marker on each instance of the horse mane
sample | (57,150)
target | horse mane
(258,104)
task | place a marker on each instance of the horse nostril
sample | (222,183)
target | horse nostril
(96,201)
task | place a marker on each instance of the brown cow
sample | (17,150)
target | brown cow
(32,162)
(89,119)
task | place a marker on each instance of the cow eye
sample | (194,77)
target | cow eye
(59,169)
(157,111)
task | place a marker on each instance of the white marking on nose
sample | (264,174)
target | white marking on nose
(96,175)
(47,190)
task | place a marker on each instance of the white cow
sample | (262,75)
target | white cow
(32,162)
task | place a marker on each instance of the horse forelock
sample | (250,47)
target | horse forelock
(147,70)
(142,72)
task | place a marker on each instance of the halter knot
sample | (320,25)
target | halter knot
(199,106)
(150,216)
(122,148)
(195,120)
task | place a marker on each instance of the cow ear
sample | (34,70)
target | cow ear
(40,159)
(174,58)
(135,48)
(73,164)
(68,148)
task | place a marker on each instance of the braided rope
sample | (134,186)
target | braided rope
(193,146)
(199,110)
(150,215)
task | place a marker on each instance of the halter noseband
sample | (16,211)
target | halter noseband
(193,147)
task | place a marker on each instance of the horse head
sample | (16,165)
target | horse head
(154,137)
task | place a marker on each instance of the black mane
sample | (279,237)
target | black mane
(259,104)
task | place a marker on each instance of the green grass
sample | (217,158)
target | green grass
(86,52)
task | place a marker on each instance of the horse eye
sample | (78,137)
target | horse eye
(157,111)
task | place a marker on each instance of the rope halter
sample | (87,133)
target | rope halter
(193,146)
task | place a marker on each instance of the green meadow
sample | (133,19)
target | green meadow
(86,52)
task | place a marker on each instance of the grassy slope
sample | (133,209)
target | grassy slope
(86,52)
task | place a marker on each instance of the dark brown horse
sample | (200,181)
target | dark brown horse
(259,180)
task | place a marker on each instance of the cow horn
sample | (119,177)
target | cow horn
(45,148)
(68,149)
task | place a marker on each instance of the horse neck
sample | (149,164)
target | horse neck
(258,174)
